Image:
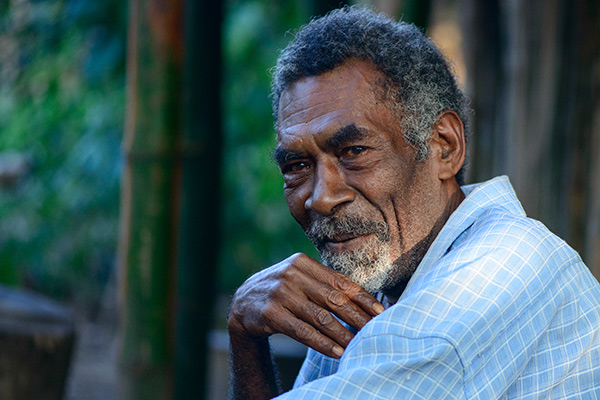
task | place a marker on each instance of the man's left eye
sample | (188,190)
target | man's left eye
(353,151)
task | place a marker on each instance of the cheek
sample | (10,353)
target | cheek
(380,188)
(295,199)
(389,193)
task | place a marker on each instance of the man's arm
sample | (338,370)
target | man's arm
(297,298)
(253,372)
(388,366)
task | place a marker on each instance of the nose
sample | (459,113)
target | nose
(329,190)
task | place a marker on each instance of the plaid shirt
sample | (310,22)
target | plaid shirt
(499,308)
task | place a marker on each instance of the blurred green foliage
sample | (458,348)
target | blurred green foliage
(62,104)
(62,71)
(258,229)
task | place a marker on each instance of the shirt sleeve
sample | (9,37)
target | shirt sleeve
(315,366)
(384,366)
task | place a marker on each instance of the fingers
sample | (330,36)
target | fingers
(297,298)
(340,304)
(306,334)
(295,316)
(338,294)
(324,323)
(357,294)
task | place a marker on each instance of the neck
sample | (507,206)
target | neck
(410,260)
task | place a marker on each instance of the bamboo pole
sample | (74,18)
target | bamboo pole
(150,198)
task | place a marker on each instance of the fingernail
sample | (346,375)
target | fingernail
(378,308)
(338,351)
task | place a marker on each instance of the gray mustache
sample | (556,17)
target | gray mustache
(325,229)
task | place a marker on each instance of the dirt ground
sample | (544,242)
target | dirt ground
(93,370)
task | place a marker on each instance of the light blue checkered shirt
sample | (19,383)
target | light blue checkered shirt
(499,308)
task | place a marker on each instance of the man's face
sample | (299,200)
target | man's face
(351,181)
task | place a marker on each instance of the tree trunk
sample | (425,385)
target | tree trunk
(170,197)
(533,80)
(150,198)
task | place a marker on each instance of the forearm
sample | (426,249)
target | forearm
(253,372)
(297,298)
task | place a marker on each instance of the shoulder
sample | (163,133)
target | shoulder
(510,245)
(499,230)
(500,270)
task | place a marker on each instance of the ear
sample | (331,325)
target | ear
(448,144)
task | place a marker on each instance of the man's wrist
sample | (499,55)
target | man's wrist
(253,371)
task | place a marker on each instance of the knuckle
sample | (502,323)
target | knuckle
(303,332)
(288,275)
(274,294)
(290,270)
(323,317)
(297,257)
(343,283)
(336,298)
(267,314)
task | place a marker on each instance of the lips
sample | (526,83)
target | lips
(345,242)
(343,237)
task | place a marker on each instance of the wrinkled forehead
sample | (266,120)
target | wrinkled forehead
(345,90)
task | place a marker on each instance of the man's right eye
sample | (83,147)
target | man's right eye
(295,167)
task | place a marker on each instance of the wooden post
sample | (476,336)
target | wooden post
(200,199)
(170,197)
(150,198)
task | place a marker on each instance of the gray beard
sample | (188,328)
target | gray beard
(371,265)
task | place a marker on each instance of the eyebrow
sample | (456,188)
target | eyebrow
(346,134)
(282,156)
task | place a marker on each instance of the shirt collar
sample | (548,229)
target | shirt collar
(497,192)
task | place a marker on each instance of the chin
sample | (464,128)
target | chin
(372,270)
(373,283)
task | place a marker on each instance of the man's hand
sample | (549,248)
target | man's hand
(296,297)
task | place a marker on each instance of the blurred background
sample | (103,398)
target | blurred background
(137,190)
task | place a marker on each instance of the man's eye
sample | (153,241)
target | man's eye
(295,167)
(352,151)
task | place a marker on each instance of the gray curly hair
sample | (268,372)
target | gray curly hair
(419,85)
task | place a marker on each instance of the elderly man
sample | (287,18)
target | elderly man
(425,289)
